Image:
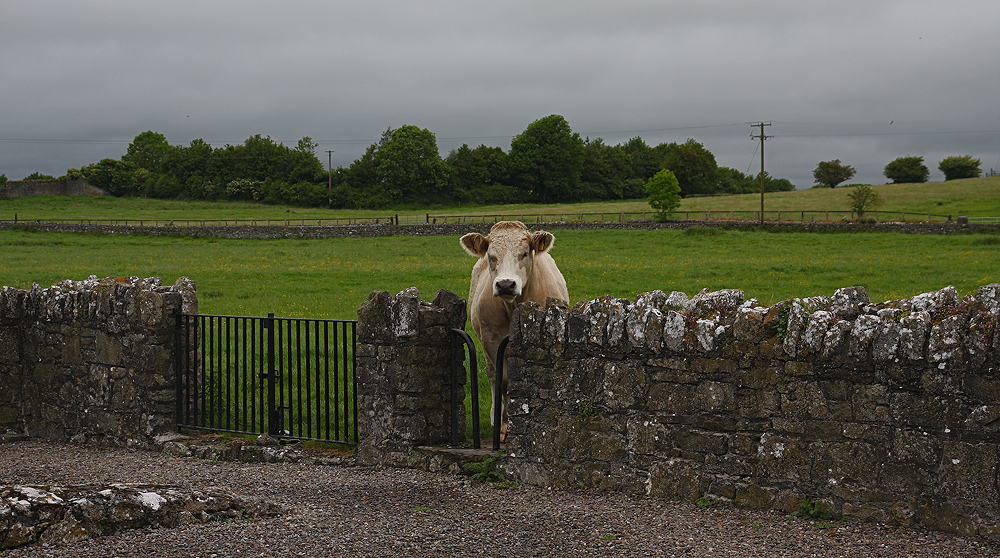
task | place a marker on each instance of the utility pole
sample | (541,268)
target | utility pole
(329,182)
(762,137)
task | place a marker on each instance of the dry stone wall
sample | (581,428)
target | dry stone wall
(403,375)
(60,187)
(91,360)
(56,515)
(887,411)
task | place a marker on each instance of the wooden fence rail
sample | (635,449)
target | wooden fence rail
(531,218)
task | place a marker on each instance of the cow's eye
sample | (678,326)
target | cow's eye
(524,255)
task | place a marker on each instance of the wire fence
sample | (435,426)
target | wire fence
(784,215)
(708,215)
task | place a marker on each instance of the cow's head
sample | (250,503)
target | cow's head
(510,252)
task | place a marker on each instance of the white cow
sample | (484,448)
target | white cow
(514,266)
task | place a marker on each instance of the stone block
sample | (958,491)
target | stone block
(674,330)
(671,398)
(675,478)
(758,404)
(578,327)
(968,471)
(934,301)
(862,334)
(847,303)
(756,377)
(373,318)
(836,341)
(10,345)
(715,397)
(753,496)
(989,297)
(555,324)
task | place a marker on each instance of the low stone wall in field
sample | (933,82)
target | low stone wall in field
(91,360)
(366,231)
(18,188)
(884,411)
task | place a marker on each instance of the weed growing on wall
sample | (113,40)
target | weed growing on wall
(811,509)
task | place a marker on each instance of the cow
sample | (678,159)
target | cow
(514,266)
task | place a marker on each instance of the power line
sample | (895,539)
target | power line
(504,137)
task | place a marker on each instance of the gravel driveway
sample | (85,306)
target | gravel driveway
(357,511)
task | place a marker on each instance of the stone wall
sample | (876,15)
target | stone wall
(57,515)
(403,375)
(62,187)
(160,227)
(888,411)
(91,360)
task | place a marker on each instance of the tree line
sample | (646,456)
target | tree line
(546,163)
(902,170)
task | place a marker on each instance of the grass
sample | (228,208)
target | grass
(974,197)
(330,278)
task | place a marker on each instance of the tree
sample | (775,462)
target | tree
(546,160)
(732,181)
(148,151)
(114,177)
(694,166)
(905,170)
(480,175)
(831,173)
(604,171)
(643,161)
(664,193)
(960,166)
(305,166)
(39,176)
(3,179)
(408,166)
(864,199)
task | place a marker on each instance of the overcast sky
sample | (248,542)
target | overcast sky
(860,81)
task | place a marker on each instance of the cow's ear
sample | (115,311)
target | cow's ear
(541,241)
(475,244)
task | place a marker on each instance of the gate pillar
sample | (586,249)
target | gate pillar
(404,375)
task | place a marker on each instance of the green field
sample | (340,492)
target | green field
(974,197)
(330,278)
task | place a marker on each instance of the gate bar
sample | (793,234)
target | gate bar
(272,412)
(460,334)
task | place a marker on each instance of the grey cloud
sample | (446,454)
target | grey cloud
(829,75)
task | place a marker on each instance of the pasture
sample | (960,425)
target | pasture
(974,197)
(330,278)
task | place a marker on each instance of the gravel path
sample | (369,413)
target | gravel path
(357,511)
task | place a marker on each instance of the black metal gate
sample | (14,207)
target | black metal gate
(289,377)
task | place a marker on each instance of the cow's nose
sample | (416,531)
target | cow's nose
(505,286)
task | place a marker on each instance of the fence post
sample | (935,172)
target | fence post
(273,412)
(178,368)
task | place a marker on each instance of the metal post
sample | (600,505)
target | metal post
(454,390)
(178,368)
(273,420)
(473,381)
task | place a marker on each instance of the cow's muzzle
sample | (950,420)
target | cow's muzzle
(505,288)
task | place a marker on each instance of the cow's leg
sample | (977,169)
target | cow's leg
(504,421)
(491,375)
